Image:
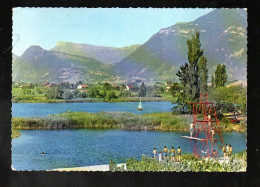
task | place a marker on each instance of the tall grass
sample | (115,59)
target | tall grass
(163,121)
(15,133)
(105,120)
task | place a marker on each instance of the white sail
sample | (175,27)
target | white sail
(140,106)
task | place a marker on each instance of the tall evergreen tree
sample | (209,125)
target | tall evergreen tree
(189,72)
(142,90)
(212,80)
(203,75)
(220,75)
(194,53)
(183,74)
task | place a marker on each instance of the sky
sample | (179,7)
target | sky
(116,27)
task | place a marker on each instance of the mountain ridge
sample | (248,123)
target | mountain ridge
(104,54)
(166,50)
(37,64)
(223,36)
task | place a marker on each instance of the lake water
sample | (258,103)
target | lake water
(43,109)
(74,148)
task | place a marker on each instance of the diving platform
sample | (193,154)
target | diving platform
(193,138)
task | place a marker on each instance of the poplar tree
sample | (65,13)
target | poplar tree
(212,80)
(142,90)
(194,53)
(189,73)
(203,75)
(220,75)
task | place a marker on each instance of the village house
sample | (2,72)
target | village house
(129,87)
(82,86)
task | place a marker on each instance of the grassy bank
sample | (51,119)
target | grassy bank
(228,127)
(188,163)
(164,121)
(45,100)
(119,120)
(15,133)
(87,100)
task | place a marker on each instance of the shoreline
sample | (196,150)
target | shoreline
(98,101)
(94,100)
(106,167)
(103,167)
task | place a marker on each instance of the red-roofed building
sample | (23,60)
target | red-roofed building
(129,87)
(82,86)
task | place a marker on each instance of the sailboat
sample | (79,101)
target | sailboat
(140,106)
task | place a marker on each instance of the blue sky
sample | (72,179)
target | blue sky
(99,26)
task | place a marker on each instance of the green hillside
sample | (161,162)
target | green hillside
(223,37)
(103,54)
(58,67)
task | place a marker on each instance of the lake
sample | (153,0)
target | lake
(74,148)
(43,109)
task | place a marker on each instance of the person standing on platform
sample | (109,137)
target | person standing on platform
(209,120)
(191,128)
(212,134)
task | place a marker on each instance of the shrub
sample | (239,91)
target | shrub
(188,163)
(68,95)
(82,95)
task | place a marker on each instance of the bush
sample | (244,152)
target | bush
(110,95)
(54,93)
(82,95)
(229,99)
(68,95)
(188,163)
(94,92)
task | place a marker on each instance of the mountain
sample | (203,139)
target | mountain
(38,64)
(15,56)
(103,54)
(223,34)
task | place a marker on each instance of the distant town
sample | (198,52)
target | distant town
(103,91)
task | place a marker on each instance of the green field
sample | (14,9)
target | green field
(38,95)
